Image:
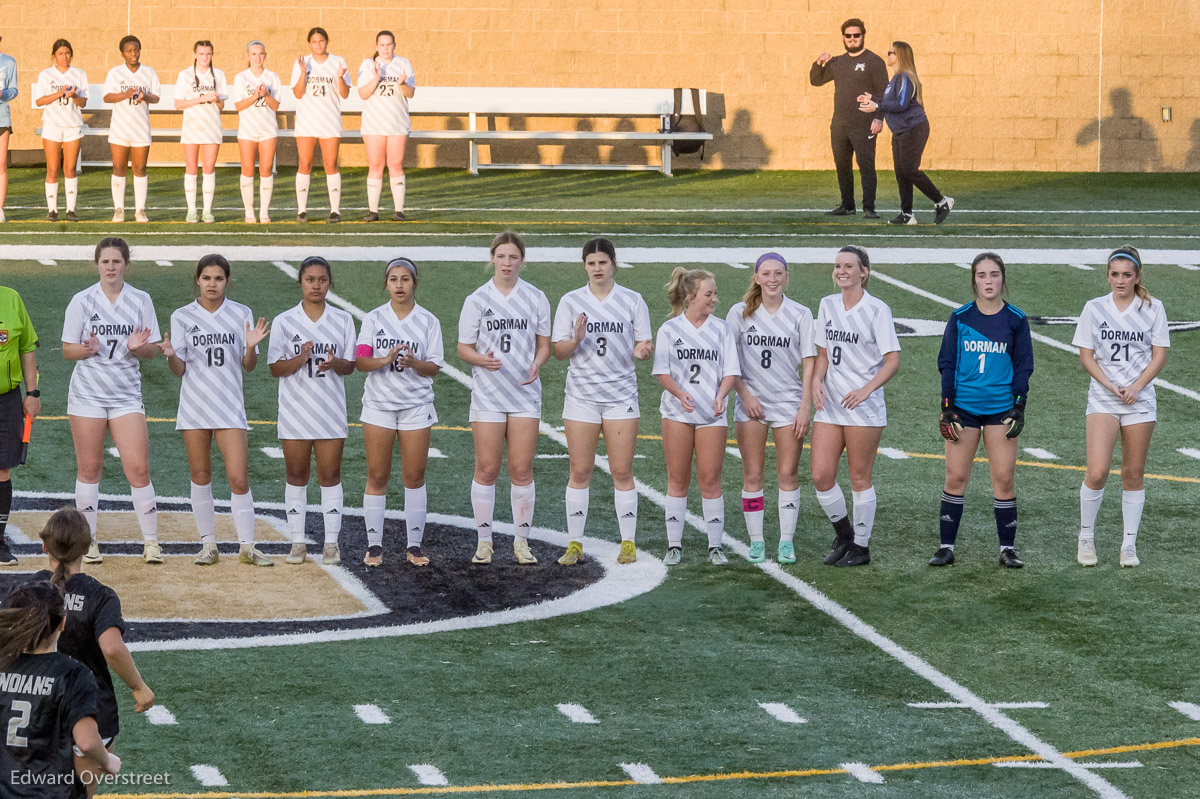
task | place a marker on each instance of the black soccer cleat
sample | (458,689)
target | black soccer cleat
(943,557)
(838,550)
(302,216)
(869,213)
(398,216)
(52,216)
(335,217)
(841,210)
(942,210)
(903,219)
(71,217)
(1009,559)
(855,556)
(7,558)
(371,217)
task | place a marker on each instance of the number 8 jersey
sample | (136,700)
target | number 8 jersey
(697,359)
(1122,342)
(212,345)
(312,403)
(855,342)
(112,377)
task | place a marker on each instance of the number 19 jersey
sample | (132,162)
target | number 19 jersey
(508,328)
(771,347)
(312,404)
(697,359)
(855,342)
(212,345)
(601,369)
(1123,343)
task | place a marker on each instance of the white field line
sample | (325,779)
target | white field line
(160,716)
(964,265)
(893,453)
(577,713)
(371,714)
(1188,451)
(863,773)
(1187,709)
(531,210)
(1044,454)
(114,452)
(997,705)
(734,452)
(1082,267)
(209,776)
(1043,764)
(434,452)
(429,774)
(640,772)
(272,452)
(47,262)
(737,265)
(782,712)
(1190,267)
(162,262)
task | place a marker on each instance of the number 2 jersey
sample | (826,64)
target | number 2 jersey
(601,369)
(212,345)
(772,347)
(855,342)
(312,403)
(1123,342)
(394,388)
(697,359)
(507,327)
(986,359)
(112,377)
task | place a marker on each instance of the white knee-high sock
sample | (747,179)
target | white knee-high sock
(331,509)
(52,196)
(577,511)
(521,499)
(242,508)
(266,187)
(189,192)
(483,505)
(374,189)
(146,507)
(714,520)
(296,500)
(833,502)
(626,503)
(87,500)
(676,515)
(141,187)
(333,185)
(72,192)
(397,185)
(753,512)
(208,185)
(302,183)
(1132,503)
(117,186)
(864,515)
(246,184)
(374,506)
(203,512)
(1089,506)
(789,511)
(415,500)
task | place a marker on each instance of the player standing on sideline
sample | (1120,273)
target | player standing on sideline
(18,363)
(986,360)
(108,328)
(385,83)
(696,362)
(1123,340)
(857,353)
(94,633)
(320,82)
(256,92)
(8,93)
(777,353)
(131,88)
(200,92)
(400,349)
(602,328)
(212,340)
(44,728)
(852,136)
(310,351)
(504,333)
(61,91)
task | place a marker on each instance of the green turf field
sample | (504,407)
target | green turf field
(673,677)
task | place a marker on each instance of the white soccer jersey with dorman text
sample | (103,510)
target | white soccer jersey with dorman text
(312,403)
(257,121)
(697,359)
(771,348)
(1123,343)
(601,369)
(112,377)
(212,345)
(131,117)
(507,327)
(201,123)
(319,111)
(395,388)
(62,112)
(855,342)
(385,112)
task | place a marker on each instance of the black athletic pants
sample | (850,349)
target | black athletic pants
(907,149)
(857,143)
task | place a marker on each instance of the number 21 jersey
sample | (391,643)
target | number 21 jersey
(1123,343)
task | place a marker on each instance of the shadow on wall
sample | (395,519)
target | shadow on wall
(450,152)
(1192,163)
(1127,142)
(741,147)
(627,152)
(582,151)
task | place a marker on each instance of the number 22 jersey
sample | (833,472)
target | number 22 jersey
(312,403)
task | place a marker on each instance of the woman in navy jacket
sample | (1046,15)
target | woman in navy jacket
(903,106)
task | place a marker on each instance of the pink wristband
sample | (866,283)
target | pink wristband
(364,351)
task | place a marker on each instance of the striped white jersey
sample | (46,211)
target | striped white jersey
(131,117)
(201,123)
(508,328)
(771,347)
(394,388)
(212,345)
(112,377)
(1122,342)
(385,112)
(601,369)
(257,121)
(63,111)
(319,111)
(312,404)
(697,359)
(855,342)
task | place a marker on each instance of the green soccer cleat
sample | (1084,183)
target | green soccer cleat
(298,555)
(628,552)
(207,555)
(786,553)
(758,552)
(674,556)
(252,557)
(573,555)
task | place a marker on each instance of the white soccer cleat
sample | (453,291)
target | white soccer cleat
(93,554)
(152,552)
(298,554)
(1129,556)
(1086,553)
(207,555)
(140,216)
(118,214)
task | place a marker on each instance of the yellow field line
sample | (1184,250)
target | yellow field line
(691,778)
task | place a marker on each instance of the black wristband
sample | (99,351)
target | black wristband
(35,393)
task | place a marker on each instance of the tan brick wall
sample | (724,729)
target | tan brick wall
(1012,85)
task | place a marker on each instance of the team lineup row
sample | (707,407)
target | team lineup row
(791,375)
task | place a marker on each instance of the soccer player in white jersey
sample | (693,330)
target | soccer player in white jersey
(776,348)
(131,88)
(400,349)
(200,93)
(108,328)
(504,333)
(256,98)
(320,82)
(61,91)
(385,83)
(603,328)
(1123,340)
(696,362)
(311,349)
(857,352)
(211,341)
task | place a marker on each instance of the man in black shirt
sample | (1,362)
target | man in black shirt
(852,132)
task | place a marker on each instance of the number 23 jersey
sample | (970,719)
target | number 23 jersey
(312,403)
(212,345)
(855,342)
(1123,343)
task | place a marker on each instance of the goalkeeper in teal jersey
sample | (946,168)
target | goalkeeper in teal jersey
(985,361)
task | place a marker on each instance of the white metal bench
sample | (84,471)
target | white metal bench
(480,106)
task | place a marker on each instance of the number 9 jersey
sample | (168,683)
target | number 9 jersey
(212,345)
(111,378)
(855,342)
(312,403)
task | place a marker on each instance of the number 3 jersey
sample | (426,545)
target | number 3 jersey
(772,347)
(1122,342)
(393,387)
(855,342)
(212,345)
(507,327)
(312,403)
(986,359)
(601,369)
(697,359)
(111,378)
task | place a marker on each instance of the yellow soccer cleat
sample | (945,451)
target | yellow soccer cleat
(628,553)
(483,553)
(152,553)
(207,555)
(573,555)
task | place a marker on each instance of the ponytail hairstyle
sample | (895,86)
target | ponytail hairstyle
(907,64)
(753,295)
(388,34)
(250,44)
(400,261)
(61,43)
(863,260)
(998,261)
(507,237)
(31,616)
(600,245)
(211,67)
(214,259)
(683,285)
(66,538)
(311,262)
(313,31)
(1131,254)
(117,243)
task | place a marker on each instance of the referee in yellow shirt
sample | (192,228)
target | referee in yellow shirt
(18,364)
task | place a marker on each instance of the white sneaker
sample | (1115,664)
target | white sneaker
(2,219)
(208,555)
(1086,554)
(1129,556)
(93,554)
(152,552)
(208,218)
(192,217)
(140,216)
(118,214)
(298,554)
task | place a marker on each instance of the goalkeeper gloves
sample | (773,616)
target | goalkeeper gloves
(950,425)
(1015,419)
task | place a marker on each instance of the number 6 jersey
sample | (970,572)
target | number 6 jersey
(312,403)
(212,345)
(855,342)
(1122,342)
(507,327)
(111,378)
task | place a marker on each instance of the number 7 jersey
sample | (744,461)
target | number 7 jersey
(312,403)
(112,377)
(212,345)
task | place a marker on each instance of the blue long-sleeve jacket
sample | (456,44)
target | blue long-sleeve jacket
(986,360)
(8,87)
(899,103)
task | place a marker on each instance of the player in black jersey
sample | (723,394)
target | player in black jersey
(94,629)
(47,701)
